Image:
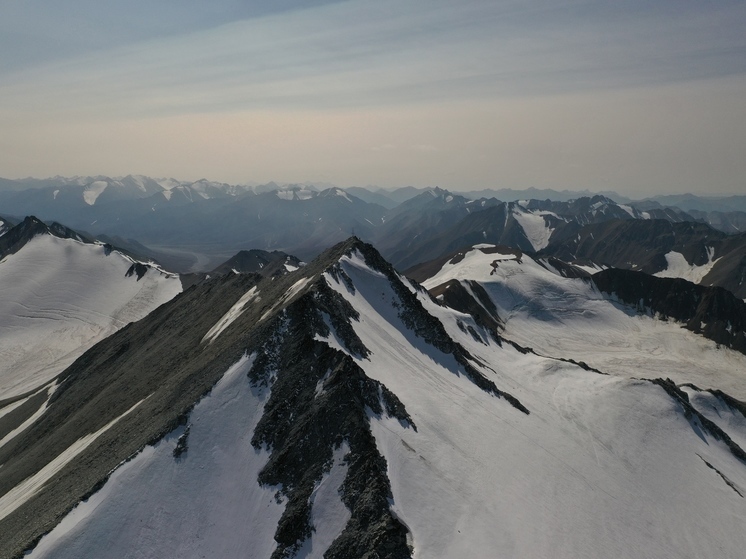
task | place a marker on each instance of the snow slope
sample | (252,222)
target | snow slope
(534,226)
(600,466)
(58,297)
(158,505)
(568,318)
(678,267)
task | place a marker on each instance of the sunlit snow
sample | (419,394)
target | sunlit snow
(93,191)
(58,297)
(205,503)
(678,267)
(535,227)
(229,317)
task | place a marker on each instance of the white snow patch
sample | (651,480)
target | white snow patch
(290,267)
(93,191)
(206,503)
(31,420)
(590,268)
(55,193)
(58,297)
(30,486)
(568,318)
(233,313)
(329,515)
(475,264)
(343,194)
(678,267)
(535,227)
(289,294)
(628,209)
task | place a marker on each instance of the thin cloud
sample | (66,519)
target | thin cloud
(361,53)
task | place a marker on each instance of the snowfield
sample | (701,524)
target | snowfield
(202,504)
(58,297)
(535,227)
(569,318)
(678,267)
(601,466)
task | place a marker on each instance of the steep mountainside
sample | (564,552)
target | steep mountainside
(528,225)
(61,295)
(299,222)
(712,311)
(5,225)
(259,262)
(559,312)
(419,219)
(728,222)
(341,411)
(692,251)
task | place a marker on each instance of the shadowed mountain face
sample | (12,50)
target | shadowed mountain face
(193,227)
(5,225)
(712,311)
(203,223)
(528,225)
(15,238)
(259,262)
(340,410)
(693,251)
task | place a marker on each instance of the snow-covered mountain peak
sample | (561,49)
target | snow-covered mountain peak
(340,410)
(17,237)
(335,191)
(62,293)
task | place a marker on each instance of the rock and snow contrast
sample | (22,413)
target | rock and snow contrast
(341,410)
(59,296)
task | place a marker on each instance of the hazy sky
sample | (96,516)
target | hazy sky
(635,96)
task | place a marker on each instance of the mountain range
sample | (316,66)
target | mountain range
(195,226)
(531,378)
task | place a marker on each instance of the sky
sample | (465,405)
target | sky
(638,97)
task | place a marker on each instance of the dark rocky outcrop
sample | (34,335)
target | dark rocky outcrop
(321,399)
(713,312)
(691,413)
(15,239)
(642,245)
(137,268)
(454,295)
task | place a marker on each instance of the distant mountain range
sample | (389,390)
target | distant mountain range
(195,227)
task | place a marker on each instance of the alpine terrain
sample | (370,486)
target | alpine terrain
(61,293)
(507,405)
